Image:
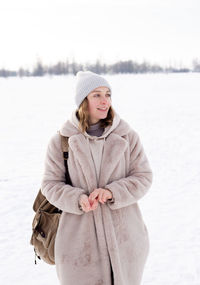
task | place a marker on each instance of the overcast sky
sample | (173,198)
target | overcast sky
(160,31)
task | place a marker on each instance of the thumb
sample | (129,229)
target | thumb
(94,205)
(93,196)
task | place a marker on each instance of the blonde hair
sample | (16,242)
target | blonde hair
(83,116)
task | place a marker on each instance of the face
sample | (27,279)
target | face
(99,102)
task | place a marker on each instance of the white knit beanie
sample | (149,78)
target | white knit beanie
(86,81)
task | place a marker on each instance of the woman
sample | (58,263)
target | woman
(101,238)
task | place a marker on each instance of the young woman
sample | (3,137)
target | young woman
(102,238)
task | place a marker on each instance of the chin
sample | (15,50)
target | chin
(103,116)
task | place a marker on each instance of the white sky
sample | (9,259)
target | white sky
(160,31)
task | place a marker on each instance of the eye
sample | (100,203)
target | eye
(96,95)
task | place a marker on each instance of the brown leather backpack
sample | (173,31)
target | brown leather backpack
(46,219)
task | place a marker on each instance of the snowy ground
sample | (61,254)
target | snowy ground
(164,109)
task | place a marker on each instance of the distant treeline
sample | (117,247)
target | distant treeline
(129,66)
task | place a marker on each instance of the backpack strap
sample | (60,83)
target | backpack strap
(65,146)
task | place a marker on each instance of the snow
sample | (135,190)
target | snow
(164,110)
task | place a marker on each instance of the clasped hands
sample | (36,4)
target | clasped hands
(91,203)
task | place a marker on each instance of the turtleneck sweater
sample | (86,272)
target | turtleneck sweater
(95,130)
(96,145)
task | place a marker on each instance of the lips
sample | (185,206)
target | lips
(102,109)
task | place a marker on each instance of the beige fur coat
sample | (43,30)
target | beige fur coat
(113,234)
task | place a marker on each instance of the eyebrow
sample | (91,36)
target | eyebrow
(100,91)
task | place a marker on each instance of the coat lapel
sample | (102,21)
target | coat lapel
(114,148)
(82,154)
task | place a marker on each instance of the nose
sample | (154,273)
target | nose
(104,100)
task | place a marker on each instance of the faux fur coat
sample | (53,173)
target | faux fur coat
(114,235)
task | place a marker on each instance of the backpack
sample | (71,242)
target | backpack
(46,219)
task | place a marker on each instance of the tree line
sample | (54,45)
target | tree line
(128,66)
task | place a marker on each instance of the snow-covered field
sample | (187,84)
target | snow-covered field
(164,109)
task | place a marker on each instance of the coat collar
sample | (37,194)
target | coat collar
(119,127)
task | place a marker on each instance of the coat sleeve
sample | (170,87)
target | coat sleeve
(53,186)
(130,189)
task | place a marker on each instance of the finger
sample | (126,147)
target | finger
(83,207)
(101,196)
(106,196)
(95,205)
(109,194)
(86,204)
(87,209)
(85,199)
(92,201)
(93,195)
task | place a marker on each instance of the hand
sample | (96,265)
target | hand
(102,195)
(86,204)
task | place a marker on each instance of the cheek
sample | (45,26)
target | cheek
(92,106)
(109,101)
